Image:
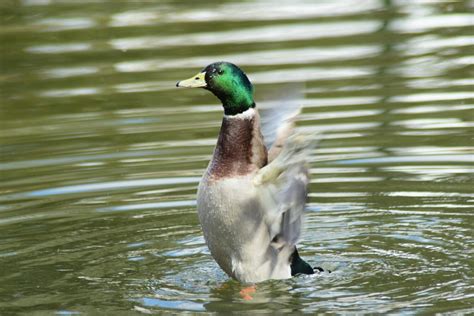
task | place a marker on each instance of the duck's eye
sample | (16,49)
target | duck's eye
(220,71)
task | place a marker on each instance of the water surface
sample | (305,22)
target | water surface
(100,153)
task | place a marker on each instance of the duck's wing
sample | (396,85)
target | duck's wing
(278,116)
(282,186)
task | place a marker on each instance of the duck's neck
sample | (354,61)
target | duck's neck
(240,149)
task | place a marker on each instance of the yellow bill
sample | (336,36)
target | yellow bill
(197,81)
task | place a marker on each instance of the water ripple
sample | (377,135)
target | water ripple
(275,33)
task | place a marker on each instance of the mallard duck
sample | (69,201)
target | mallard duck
(251,198)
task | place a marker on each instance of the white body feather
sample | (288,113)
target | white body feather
(237,227)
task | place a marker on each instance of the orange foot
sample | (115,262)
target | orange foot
(245,293)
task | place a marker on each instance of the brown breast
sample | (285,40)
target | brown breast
(240,149)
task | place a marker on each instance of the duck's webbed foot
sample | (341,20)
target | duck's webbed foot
(246,292)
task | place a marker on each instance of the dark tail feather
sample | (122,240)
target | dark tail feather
(298,265)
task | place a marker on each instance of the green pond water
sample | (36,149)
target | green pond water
(101,154)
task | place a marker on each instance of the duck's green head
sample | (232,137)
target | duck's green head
(228,82)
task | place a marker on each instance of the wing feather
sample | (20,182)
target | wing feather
(278,116)
(282,186)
